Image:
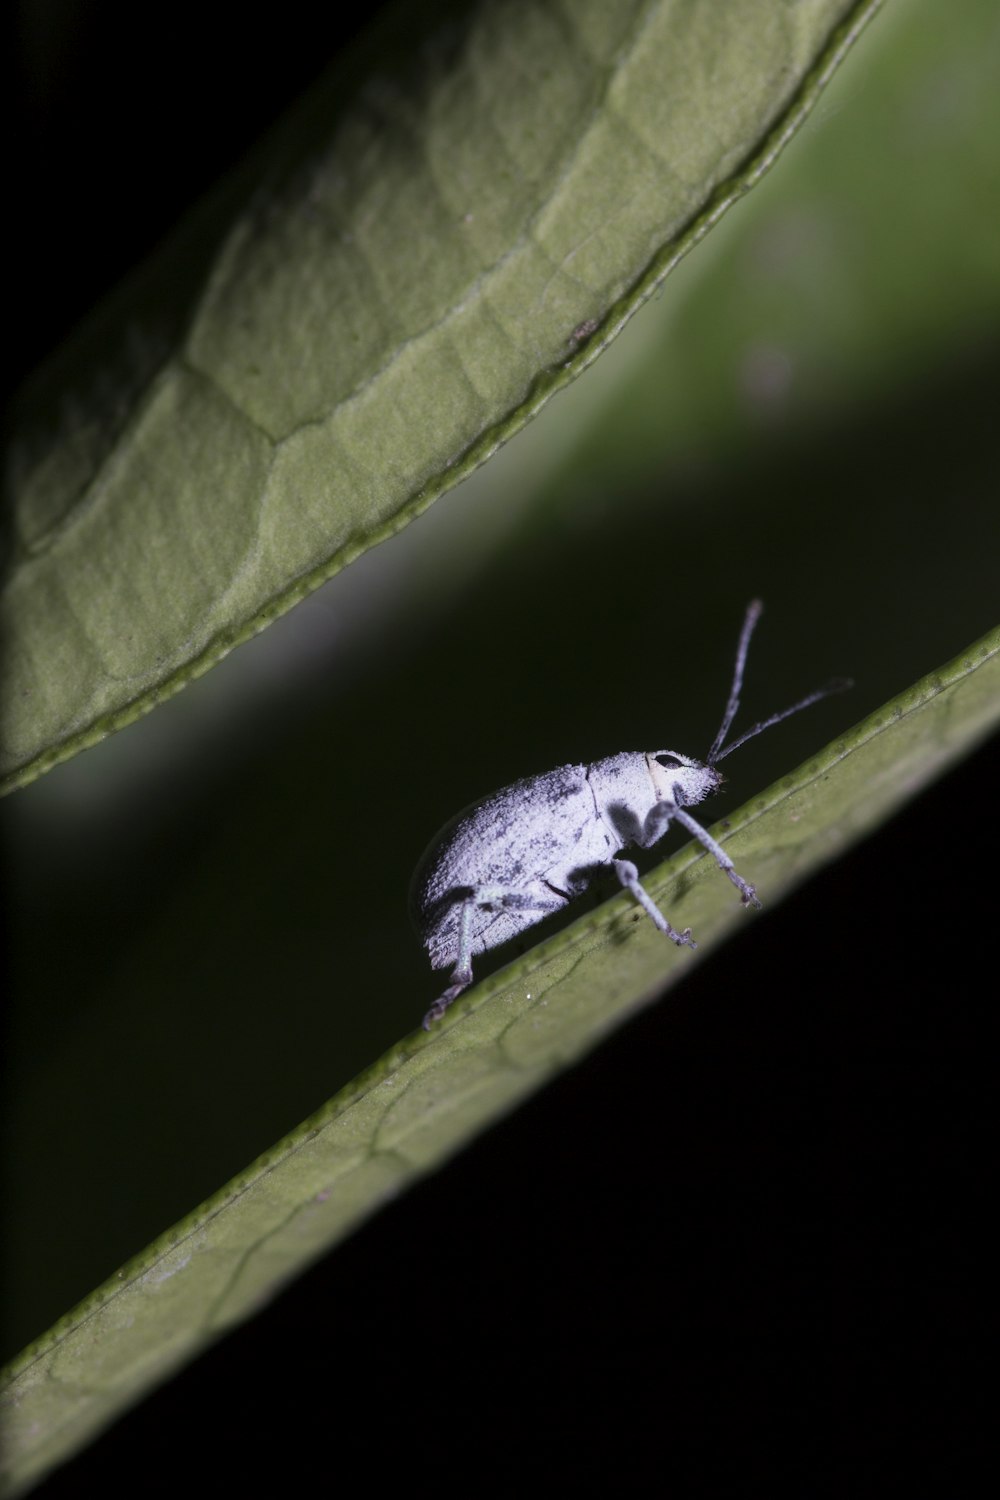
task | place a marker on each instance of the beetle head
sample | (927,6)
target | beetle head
(678,778)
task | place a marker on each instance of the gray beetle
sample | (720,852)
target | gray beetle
(511,859)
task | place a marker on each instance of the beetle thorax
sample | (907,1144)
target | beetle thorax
(668,770)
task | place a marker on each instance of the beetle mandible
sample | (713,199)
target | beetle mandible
(511,859)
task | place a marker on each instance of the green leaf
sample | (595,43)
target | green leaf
(405,279)
(425,1097)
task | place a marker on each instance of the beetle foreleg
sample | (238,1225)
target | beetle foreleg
(656,824)
(747,893)
(629,877)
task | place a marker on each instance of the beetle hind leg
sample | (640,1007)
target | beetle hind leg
(461,974)
(485,898)
(441,1004)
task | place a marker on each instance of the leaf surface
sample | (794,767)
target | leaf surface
(417,262)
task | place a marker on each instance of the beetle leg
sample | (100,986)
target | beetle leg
(461,974)
(442,1003)
(486,898)
(629,877)
(656,824)
(747,893)
(661,813)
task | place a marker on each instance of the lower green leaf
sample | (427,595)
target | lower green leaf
(426,1097)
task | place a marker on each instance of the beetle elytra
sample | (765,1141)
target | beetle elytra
(511,859)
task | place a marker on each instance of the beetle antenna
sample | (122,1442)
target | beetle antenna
(837,685)
(754,611)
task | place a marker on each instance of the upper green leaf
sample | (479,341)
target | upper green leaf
(417,263)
